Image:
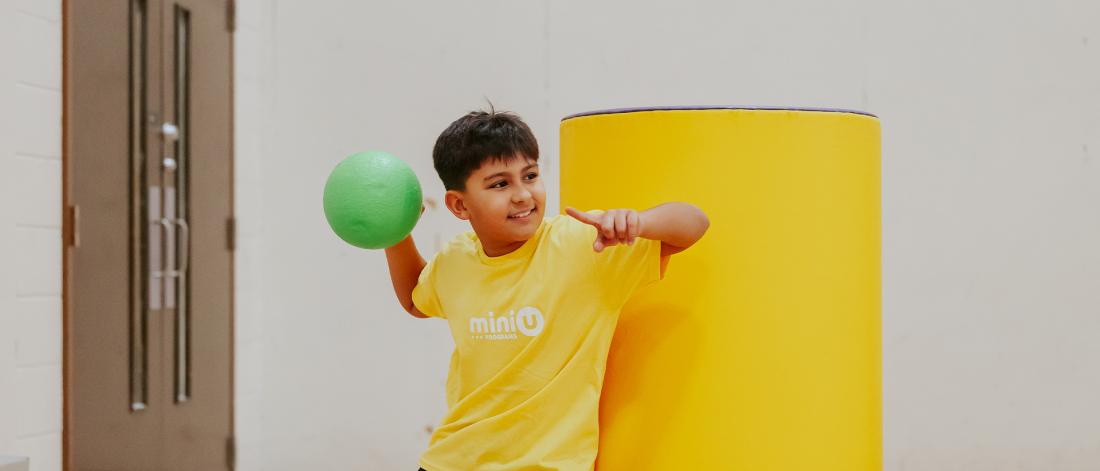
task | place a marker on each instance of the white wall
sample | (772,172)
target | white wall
(249,86)
(991,123)
(30,231)
(991,189)
(991,117)
(349,381)
(992,222)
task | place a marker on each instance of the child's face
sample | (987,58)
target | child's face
(504,202)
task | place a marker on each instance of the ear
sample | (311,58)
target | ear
(454,200)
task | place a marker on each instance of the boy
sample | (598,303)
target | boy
(531,303)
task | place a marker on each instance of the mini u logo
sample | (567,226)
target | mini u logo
(527,321)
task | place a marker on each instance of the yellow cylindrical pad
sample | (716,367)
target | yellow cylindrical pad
(760,350)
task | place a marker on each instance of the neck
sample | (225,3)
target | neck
(504,248)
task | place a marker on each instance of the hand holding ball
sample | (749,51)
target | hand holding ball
(372,200)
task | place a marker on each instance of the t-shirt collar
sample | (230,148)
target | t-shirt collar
(523,252)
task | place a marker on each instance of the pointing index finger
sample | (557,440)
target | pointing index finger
(583,217)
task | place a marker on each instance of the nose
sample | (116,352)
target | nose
(521,194)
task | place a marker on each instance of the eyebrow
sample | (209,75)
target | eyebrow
(498,174)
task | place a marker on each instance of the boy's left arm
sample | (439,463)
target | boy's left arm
(677,225)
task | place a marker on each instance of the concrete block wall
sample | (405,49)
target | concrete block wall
(30,231)
(990,196)
(249,85)
(13,463)
(991,271)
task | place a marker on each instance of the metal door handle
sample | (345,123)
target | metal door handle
(166,270)
(185,245)
(183,333)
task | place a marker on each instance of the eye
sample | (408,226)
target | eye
(500,184)
(532,176)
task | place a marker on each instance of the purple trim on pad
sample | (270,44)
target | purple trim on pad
(712,107)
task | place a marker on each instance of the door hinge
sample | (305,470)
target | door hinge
(231,234)
(72,226)
(231,15)
(231,452)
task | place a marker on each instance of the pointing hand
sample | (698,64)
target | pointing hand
(613,227)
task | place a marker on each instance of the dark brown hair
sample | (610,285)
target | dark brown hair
(477,137)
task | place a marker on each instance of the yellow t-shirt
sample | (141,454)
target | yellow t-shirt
(531,331)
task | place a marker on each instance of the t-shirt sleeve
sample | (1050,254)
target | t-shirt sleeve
(620,269)
(625,268)
(424,295)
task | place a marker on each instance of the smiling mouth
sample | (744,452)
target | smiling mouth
(523,214)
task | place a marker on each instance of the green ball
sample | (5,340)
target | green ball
(372,200)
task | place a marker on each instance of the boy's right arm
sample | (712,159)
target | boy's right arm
(405,265)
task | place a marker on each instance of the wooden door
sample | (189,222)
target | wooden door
(148,262)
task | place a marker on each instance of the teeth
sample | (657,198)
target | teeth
(520,215)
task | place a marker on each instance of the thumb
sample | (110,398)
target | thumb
(598,245)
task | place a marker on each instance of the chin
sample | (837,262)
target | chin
(535,226)
(527,232)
